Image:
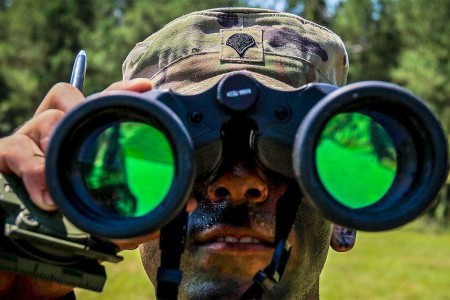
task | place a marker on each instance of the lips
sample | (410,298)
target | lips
(236,240)
(233,238)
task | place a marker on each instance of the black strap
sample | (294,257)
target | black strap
(265,280)
(171,243)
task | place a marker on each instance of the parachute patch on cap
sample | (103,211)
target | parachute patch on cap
(241,45)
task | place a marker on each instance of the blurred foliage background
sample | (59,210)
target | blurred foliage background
(403,41)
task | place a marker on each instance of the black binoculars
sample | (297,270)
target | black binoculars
(369,156)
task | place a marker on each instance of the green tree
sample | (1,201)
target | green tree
(424,62)
(35,52)
(313,10)
(368,29)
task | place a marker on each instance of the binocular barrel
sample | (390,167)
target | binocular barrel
(370,156)
(121,166)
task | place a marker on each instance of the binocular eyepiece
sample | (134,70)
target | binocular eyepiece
(370,155)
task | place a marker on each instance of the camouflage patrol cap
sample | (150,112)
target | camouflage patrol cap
(280,50)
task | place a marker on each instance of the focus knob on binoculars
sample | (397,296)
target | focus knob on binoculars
(238,93)
(369,156)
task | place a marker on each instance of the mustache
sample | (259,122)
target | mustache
(209,214)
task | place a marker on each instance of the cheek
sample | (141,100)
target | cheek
(310,240)
(150,256)
(270,205)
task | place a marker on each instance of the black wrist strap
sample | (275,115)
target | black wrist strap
(265,280)
(171,243)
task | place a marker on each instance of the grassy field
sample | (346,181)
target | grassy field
(126,280)
(409,263)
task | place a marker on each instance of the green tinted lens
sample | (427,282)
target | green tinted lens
(356,160)
(128,168)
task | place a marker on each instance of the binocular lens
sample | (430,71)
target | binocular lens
(121,166)
(128,168)
(356,160)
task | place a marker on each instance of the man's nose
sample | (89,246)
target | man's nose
(239,185)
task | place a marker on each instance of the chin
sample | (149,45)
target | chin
(211,285)
(220,271)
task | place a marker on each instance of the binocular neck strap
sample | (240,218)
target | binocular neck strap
(171,243)
(265,280)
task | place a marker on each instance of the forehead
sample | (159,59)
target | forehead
(281,47)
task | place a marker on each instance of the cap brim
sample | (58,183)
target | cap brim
(204,85)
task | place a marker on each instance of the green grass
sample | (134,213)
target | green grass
(126,280)
(408,263)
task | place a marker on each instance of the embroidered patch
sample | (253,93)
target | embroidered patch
(241,42)
(241,45)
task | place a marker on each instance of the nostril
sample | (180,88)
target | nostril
(238,186)
(222,192)
(253,194)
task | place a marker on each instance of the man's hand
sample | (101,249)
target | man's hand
(23,154)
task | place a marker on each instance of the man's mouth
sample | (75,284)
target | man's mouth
(233,239)
(238,240)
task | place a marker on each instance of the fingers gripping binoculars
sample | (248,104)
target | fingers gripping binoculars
(370,155)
